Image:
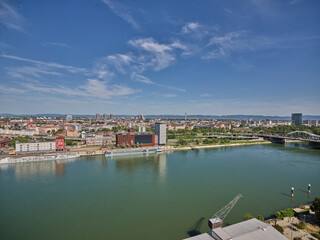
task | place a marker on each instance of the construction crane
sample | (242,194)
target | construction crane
(217,219)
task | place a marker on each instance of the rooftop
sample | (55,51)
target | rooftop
(252,229)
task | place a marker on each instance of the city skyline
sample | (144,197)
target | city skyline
(214,58)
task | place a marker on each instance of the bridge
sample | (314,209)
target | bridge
(313,139)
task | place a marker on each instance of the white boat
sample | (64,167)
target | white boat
(40,158)
(130,152)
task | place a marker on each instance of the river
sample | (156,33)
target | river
(162,196)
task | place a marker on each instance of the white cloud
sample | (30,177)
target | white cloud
(169,95)
(205,95)
(215,53)
(47,64)
(96,88)
(122,11)
(5,89)
(225,39)
(33,71)
(118,61)
(58,44)
(158,56)
(9,17)
(143,79)
(92,88)
(223,45)
(140,78)
(189,27)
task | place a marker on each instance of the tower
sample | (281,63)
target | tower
(296,118)
(161,131)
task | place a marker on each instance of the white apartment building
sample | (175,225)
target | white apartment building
(35,147)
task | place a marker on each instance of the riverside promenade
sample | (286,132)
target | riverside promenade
(94,151)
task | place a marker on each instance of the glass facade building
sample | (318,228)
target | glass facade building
(296,118)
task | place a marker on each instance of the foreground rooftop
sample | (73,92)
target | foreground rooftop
(252,229)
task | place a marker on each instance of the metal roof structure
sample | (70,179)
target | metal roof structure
(252,229)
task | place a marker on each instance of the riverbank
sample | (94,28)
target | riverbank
(215,146)
(302,226)
(94,151)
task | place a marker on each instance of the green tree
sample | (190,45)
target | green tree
(261,218)
(182,142)
(316,207)
(69,142)
(57,132)
(279,228)
(247,216)
(123,145)
(20,139)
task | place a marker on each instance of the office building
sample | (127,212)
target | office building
(161,132)
(296,118)
(111,116)
(131,137)
(98,140)
(97,116)
(69,118)
(104,116)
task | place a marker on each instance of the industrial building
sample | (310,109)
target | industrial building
(161,132)
(131,137)
(98,140)
(38,147)
(296,118)
(252,229)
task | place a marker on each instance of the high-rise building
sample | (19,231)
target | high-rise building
(296,118)
(111,116)
(142,128)
(97,116)
(140,117)
(104,116)
(161,131)
(69,118)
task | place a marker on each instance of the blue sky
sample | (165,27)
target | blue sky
(160,57)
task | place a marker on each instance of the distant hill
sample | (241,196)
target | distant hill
(235,117)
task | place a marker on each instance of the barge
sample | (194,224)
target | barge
(132,151)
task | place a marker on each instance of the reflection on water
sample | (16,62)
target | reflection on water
(297,144)
(162,165)
(21,170)
(60,169)
(156,163)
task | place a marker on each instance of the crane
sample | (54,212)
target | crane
(217,219)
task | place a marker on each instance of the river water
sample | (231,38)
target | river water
(161,196)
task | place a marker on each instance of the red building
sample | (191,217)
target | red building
(4,142)
(131,137)
(60,144)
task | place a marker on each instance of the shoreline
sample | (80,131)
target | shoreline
(83,152)
(214,146)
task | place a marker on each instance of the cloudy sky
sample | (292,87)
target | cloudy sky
(160,57)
